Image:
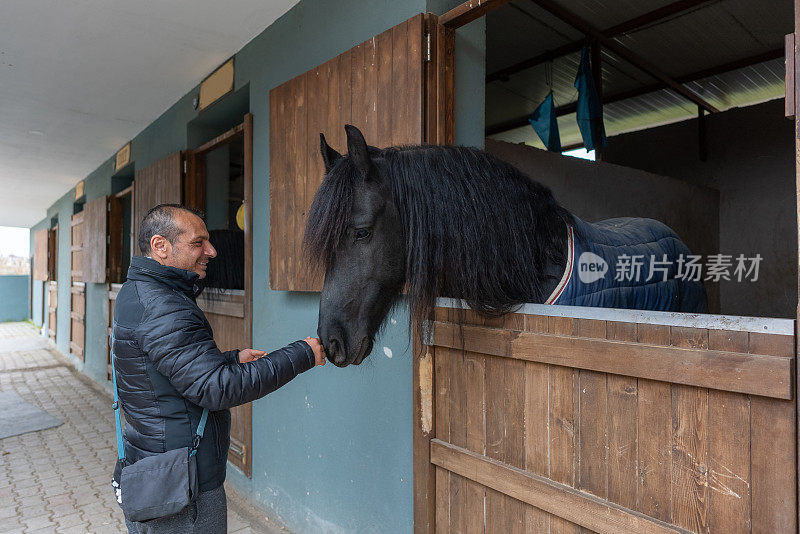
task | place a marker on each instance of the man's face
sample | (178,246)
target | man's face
(191,250)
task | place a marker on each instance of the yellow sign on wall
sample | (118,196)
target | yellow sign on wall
(219,83)
(79,190)
(123,157)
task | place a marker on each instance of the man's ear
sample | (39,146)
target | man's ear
(357,150)
(329,155)
(160,247)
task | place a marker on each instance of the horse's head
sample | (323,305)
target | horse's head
(354,230)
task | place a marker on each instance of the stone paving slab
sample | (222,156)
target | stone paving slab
(58,479)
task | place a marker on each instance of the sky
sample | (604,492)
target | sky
(14,241)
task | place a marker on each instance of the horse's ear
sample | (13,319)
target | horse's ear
(329,155)
(357,149)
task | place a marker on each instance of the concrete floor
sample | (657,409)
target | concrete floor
(58,479)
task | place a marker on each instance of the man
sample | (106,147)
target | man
(169,368)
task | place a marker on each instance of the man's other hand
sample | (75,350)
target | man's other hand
(249,355)
(319,352)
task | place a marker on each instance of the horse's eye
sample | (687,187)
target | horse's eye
(361,233)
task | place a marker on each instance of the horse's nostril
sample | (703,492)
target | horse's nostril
(334,351)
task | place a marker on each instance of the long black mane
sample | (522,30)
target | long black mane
(474,227)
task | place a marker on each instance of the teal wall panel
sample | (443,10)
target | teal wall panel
(14,297)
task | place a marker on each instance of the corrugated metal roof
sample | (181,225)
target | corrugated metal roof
(704,37)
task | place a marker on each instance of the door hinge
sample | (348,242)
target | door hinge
(108,240)
(428,54)
(184,166)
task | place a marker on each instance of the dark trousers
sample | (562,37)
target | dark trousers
(206,515)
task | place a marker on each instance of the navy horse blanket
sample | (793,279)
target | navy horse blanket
(631,263)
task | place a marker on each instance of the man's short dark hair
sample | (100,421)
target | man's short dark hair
(161,221)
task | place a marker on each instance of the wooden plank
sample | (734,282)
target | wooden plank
(654,435)
(689,443)
(400,84)
(222,304)
(728,447)
(536,434)
(563,415)
(442,431)
(556,498)
(221,139)
(773,467)
(480,413)
(385,87)
(445,85)
(278,117)
(295,138)
(458,437)
(789,100)
(622,425)
(95,240)
(768,376)
(470,10)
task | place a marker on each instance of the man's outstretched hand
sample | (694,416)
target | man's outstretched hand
(249,355)
(319,351)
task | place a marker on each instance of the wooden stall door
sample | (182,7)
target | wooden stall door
(77,314)
(557,424)
(229,312)
(159,183)
(381,86)
(51,310)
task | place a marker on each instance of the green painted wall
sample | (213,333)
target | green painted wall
(14,297)
(332,450)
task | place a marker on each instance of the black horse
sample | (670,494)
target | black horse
(449,221)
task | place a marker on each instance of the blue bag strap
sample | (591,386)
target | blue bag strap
(201,427)
(117,418)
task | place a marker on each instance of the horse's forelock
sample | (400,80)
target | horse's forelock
(329,213)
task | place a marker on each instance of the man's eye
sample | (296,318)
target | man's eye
(361,233)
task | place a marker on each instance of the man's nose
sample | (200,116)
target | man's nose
(211,252)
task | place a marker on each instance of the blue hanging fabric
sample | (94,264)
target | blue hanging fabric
(590,114)
(545,124)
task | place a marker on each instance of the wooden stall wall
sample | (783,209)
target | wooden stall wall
(556,424)
(77,314)
(226,313)
(376,86)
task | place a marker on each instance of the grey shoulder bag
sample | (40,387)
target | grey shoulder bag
(159,485)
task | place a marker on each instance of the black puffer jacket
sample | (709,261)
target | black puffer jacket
(169,368)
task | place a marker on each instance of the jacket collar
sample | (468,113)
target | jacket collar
(149,270)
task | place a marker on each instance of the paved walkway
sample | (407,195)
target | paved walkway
(58,479)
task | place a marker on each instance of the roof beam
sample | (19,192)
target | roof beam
(619,50)
(624,27)
(566,109)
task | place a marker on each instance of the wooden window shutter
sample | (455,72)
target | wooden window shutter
(40,254)
(384,86)
(95,227)
(159,183)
